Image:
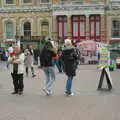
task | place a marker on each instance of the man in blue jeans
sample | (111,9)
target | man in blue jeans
(70,61)
(47,65)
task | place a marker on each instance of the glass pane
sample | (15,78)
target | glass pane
(62,1)
(27,29)
(75,18)
(97,17)
(9,1)
(82,29)
(97,28)
(60,18)
(95,1)
(9,30)
(77,1)
(75,29)
(60,30)
(116,34)
(27,1)
(116,24)
(92,28)
(45,29)
(82,17)
(45,1)
(65,29)
(91,17)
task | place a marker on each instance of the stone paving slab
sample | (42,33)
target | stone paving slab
(86,104)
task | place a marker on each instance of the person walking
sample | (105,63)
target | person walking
(70,61)
(29,60)
(17,70)
(47,65)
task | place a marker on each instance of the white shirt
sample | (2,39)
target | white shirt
(10,49)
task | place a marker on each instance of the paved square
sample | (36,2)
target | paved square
(86,104)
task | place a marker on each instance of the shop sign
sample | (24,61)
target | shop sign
(104,53)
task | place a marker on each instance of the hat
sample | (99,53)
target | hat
(68,42)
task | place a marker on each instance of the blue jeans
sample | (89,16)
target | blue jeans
(56,62)
(69,85)
(50,77)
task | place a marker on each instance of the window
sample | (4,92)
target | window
(27,29)
(116,29)
(9,30)
(95,1)
(62,1)
(9,1)
(45,1)
(62,27)
(77,1)
(45,28)
(27,1)
(78,27)
(115,0)
(95,27)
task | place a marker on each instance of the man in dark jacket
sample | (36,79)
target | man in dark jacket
(46,64)
(69,60)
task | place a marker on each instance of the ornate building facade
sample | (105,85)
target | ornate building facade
(79,19)
(27,20)
(30,20)
(113,21)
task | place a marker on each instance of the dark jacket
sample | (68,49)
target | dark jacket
(69,61)
(46,57)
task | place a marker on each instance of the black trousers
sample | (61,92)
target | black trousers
(107,78)
(17,82)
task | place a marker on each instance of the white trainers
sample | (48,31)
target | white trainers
(72,94)
(47,92)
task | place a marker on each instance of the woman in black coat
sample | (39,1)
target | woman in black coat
(70,61)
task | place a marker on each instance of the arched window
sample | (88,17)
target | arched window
(9,1)
(62,27)
(45,28)
(95,27)
(0,3)
(27,29)
(78,27)
(9,30)
(45,1)
(27,1)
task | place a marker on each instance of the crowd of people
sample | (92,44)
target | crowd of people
(21,59)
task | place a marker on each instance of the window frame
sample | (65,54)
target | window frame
(78,21)
(6,33)
(77,1)
(45,2)
(27,3)
(63,21)
(115,29)
(11,3)
(45,23)
(94,21)
(27,30)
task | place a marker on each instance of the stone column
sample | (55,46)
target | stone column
(103,29)
(55,27)
(35,26)
(69,26)
(87,28)
(17,32)
(0,28)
